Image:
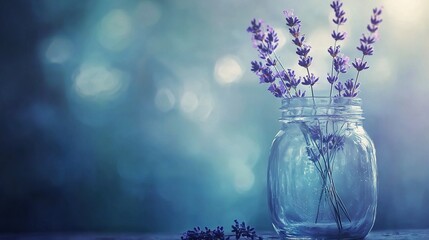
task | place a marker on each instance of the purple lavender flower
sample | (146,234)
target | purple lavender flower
(277,91)
(241,230)
(197,234)
(289,78)
(334,51)
(303,50)
(291,74)
(350,88)
(270,62)
(338,36)
(375,20)
(315,132)
(312,156)
(291,20)
(359,64)
(339,13)
(305,62)
(349,84)
(294,82)
(266,75)
(255,27)
(349,93)
(333,141)
(337,142)
(265,43)
(339,87)
(367,39)
(336,5)
(298,41)
(299,93)
(332,78)
(341,63)
(282,75)
(310,80)
(256,31)
(271,39)
(366,42)
(256,66)
(269,44)
(366,49)
(282,82)
(295,30)
(372,28)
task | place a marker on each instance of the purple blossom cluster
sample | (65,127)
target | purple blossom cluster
(340,62)
(239,230)
(366,47)
(328,141)
(303,49)
(198,234)
(283,83)
(265,42)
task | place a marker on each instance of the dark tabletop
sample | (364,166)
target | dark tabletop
(387,234)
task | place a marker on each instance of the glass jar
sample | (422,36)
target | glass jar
(322,177)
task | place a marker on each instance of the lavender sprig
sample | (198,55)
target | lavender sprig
(339,63)
(207,234)
(350,89)
(366,47)
(292,82)
(266,43)
(239,230)
(340,88)
(277,91)
(302,50)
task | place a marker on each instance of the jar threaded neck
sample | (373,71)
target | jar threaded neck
(308,108)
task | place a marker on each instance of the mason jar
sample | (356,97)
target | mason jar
(322,173)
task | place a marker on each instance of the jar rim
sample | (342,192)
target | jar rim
(320,101)
(321,107)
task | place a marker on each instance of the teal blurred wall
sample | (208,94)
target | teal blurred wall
(144,115)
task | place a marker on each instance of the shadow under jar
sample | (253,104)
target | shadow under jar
(322,177)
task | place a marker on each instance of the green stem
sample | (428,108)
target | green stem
(278,60)
(329,192)
(332,64)
(288,92)
(311,87)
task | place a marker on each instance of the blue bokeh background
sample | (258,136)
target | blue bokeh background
(144,116)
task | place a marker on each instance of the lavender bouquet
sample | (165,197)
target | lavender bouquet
(323,140)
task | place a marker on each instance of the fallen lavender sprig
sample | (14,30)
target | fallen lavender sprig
(239,230)
(206,234)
